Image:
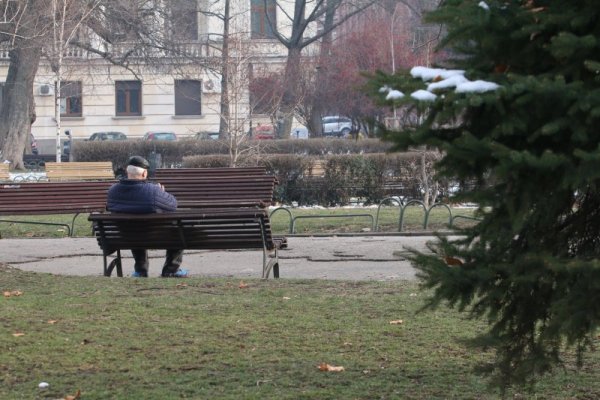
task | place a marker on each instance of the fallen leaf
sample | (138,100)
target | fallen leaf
(77,396)
(452,261)
(396,322)
(52,321)
(18,334)
(16,293)
(286,298)
(181,285)
(243,285)
(330,368)
(6,294)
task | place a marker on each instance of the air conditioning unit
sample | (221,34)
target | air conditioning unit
(46,90)
(211,86)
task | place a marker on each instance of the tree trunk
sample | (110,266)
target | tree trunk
(424,179)
(288,102)
(316,125)
(18,108)
(224,106)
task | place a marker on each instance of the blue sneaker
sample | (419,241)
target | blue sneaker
(136,274)
(180,273)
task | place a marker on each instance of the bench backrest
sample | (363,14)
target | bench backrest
(242,228)
(87,196)
(79,170)
(53,198)
(207,172)
(232,191)
(4,172)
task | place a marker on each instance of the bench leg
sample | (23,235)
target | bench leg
(116,262)
(270,262)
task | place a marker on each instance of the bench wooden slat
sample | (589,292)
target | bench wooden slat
(216,172)
(79,170)
(4,172)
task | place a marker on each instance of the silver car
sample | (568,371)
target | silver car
(107,136)
(336,126)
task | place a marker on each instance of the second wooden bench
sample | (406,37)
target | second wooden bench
(75,171)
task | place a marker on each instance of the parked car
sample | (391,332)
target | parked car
(337,126)
(159,135)
(108,136)
(34,148)
(206,136)
(263,132)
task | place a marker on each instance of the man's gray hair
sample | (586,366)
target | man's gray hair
(133,171)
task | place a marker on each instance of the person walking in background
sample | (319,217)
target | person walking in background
(136,195)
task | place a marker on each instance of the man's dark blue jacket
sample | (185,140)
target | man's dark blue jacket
(139,197)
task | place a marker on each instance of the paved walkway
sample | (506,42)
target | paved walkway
(338,257)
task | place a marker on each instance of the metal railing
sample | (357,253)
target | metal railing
(375,220)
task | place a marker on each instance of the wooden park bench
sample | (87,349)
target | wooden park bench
(218,208)
(200,229)
(75,171)
(47,198)
(4,172)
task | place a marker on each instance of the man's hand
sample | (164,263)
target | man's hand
(161,187)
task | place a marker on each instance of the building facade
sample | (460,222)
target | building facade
(176,90)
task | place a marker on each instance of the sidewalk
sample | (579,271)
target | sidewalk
(337,257)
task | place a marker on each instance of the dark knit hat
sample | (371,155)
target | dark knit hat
(138,162)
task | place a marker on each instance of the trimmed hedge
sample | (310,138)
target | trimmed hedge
(173,153)
(350,169)
(368,177)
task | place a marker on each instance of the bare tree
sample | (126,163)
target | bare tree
(422,170)
(305,28)
(68,17)
(21,33)
(234,109)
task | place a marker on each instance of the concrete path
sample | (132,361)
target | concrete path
(337,257)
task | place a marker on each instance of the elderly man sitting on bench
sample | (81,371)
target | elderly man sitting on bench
(136,195)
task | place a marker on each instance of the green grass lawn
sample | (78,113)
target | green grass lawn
(210,339)
(387,221)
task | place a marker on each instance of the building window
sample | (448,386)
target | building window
(70,99)
(187,97)
(261,29)
(184,20)
(128,98)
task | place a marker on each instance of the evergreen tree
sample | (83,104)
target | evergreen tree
(530,150)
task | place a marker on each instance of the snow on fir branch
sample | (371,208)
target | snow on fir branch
(442,79)
(394,95)
(423,95)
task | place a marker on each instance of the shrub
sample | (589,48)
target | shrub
(174,153)
(352,169)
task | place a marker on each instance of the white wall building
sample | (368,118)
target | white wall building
(97,96)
